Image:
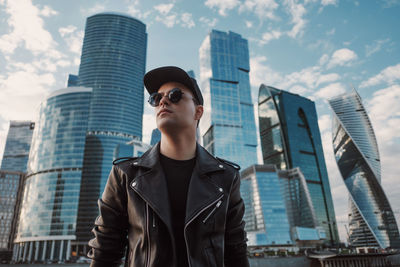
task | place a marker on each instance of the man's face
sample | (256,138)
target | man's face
(177,116)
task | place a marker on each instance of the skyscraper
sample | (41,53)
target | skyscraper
(279,210)
(18,143)
(47,225)
(113,64)
(290,138)
(227,126)
(11,185)
(371,219)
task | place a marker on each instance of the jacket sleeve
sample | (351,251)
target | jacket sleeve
(235,236)
(111,226)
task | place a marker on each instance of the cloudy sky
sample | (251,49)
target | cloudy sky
(316,48)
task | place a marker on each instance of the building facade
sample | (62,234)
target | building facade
(113,64)
(278,208)
(18,144)
(290,138)
(11,185)
(227,126)
(49,210)
(371,219)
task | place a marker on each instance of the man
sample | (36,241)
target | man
(176,205)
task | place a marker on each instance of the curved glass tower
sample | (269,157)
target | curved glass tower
(290,138)
(113,64)
(371,219)
(50,200)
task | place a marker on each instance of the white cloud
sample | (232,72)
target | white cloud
(389,75)
(331,32)
(222,5)
(249,24)
(324,59)
(297,11)
(326,78)
(48,11)
(261,73)
(329,2)
(169,20)
(208,22)
(27,29)
(342,57)
(268,36)
(264,9)
(330,91)
(164,9)
(93,10)
(385,113)
(375,47)
(301,82)
(187,20)
(72,37)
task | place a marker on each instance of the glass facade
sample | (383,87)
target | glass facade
(113,64)
(50,198)
(278,208)
(10,196)
(290,138)
(227,126)
(155,136)
(18,144)
(371,219)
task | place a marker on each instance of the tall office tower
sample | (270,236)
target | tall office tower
(290,138)
(155,137)
(11,183)
(227,126)
(47,223)
(134,148)
(17,147)
(72,80)
(371,219)
(113,64)
(279,210)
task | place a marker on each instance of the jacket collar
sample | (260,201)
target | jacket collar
(202,191)
(204,161)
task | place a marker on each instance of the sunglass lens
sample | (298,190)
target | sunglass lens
(175,95)
(154,99)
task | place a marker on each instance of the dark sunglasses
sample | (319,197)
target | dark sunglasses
(173,96)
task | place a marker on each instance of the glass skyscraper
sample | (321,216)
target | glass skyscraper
(227,126)
(290,138)
(13,167)
(18,143)
(47,225)
(279,210)
(371,219)
(11,185)
(113,64)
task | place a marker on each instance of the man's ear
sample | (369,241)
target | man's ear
(199,112)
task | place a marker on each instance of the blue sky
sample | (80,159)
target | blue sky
(316,48)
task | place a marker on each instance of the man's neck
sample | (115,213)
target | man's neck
(181,147)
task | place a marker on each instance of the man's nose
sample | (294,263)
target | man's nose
(164,100)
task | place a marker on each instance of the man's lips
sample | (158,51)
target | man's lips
(164,110)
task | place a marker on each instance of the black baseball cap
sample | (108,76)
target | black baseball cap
(155,78)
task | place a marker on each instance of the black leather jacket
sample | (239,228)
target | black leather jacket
(134,211)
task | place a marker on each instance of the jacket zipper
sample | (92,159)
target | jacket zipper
(148,235)
(212,211)
(194,217)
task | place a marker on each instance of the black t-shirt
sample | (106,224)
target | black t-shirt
(178,174)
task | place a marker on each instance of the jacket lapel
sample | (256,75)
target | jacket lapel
(202,189)
(152,186)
